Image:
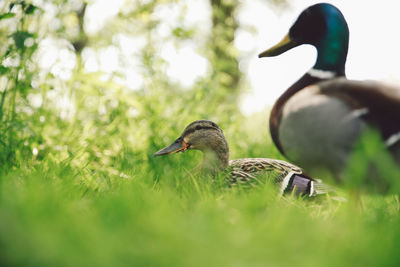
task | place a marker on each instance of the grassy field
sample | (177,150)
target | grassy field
(54,213)
(79,185)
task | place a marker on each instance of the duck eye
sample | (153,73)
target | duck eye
(198,127)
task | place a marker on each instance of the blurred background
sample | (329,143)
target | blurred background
(137,72)
(89,90)
(104,84)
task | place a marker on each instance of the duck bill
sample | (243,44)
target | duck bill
(178,146)
(284,45)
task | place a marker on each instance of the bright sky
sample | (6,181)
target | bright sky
(373,50)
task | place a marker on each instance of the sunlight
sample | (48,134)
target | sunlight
(89,57)
(108,59)
(185,65)
(134,79)
(56,56)
(98,12)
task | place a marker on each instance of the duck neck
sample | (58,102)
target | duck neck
(332,48)
(331,58)
(215,160)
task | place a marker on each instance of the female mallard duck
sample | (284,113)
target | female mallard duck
(206,136)
(317,121)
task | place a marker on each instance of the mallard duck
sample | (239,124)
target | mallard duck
(206,136)
(316,122)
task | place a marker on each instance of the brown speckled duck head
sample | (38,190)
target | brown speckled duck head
(206,136)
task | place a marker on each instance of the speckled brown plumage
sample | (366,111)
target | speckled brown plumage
(249,168)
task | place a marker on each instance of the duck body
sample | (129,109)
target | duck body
(327,146)
(318,120)
(290,177)
(206,136)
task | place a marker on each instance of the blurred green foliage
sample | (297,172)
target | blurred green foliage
(79,184)
(91,118)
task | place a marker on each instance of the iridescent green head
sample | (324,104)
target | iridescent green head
(323,26)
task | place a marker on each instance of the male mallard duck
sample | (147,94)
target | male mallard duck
(317,121)
(206,136)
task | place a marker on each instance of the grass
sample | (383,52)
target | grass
(56,215)
(81,206)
